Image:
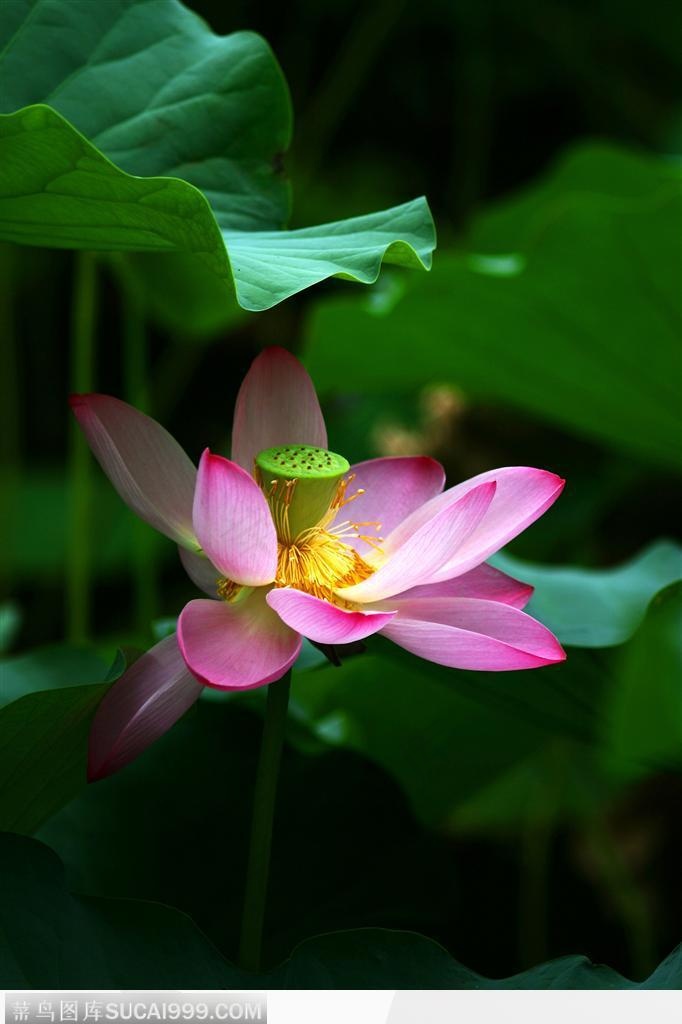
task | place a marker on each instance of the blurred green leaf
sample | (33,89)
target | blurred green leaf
(446,734)
(44,727)
(49,668)
(191,794)
(643,716)
(597,607)
(587,169)
(10,621)
(43,753)
(149,133)
(39,522)
(51,938)
(579,327)
(374,958)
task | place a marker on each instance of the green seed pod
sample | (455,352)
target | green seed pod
(300,483)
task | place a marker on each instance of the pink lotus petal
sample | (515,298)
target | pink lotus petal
(145,464)
(324,622)
(462,632)
(420,559)
(233,522)
(484,582)
(522,495)
(276,405)
(236,646)
(139,708)
(200,570)
(394,487)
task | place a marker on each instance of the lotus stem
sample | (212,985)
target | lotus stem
(79,567)
(265,794)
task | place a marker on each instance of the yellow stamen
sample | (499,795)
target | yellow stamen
(317,562)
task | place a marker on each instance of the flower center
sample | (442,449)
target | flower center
(317,562)
(305,488)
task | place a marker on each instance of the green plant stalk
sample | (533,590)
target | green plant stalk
(136,391)
(9,411)
(536,849)
(83,314)
(264,797)
(626,896)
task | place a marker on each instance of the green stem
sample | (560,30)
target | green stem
(626,896)
(135,384)
(9,410)
(357,55)
(536,850)
(261,824)
(82,347)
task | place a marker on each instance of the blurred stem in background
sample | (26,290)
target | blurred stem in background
(9,392)
(79,559)
(355,58)
(536,850)
(264,796)
(625,895)
(137,393)
(473,103)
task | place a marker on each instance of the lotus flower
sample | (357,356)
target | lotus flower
(289,541)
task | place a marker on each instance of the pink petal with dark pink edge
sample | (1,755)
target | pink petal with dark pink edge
(276,405)
(236,646)
(324,622)
(145,464)
(484,582)
(463,632)
(233,523)
(140,706)
(393,488)
(421,558)
(200,570)
(522,495)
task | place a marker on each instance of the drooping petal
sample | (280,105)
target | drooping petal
(393,488)
(484,582)
(420,559)
(522,495)
(141,706)
(200,570)
(233,523)
(236,646)
(324,622)
(276,405)
(145,464)
(463,632)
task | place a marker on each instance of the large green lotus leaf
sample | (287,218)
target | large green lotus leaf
(580,326)
(643,714)
(148,133)
(591,168)
(190,795)
(639,732)
(50,938)
(151,87)
(508,748)
(44,732)
(597,607)
(444,734)
(49,668)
